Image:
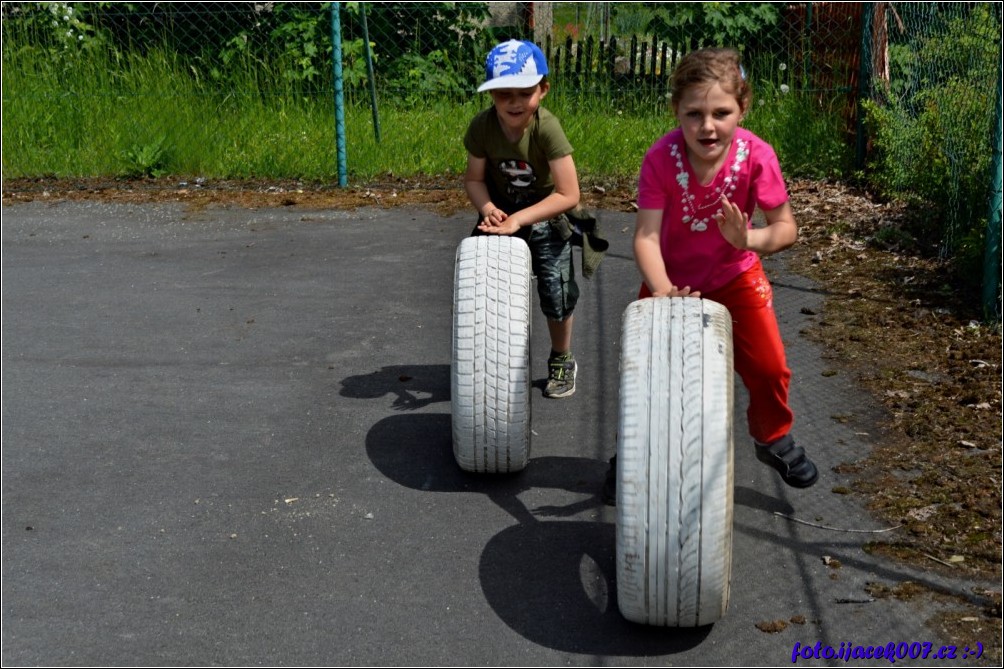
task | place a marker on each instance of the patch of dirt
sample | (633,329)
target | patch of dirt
(443,194)
(772,626)
(893,320)
(896,320)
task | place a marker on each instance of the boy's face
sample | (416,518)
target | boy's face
(516,106)
(708,116)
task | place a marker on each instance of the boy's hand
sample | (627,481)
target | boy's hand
(497,222)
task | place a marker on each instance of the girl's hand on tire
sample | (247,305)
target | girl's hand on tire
(676,292)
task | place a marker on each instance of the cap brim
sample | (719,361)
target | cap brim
(511,81)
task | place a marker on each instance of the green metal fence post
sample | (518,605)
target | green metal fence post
(369,71)
(336,62)
(864,83)
(992,252)
(807,52)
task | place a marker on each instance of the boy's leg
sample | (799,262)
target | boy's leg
(552,264)
(561,334)
(561,365)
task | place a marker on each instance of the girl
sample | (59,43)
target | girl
(698,188)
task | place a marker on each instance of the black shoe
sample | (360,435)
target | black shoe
(790,461)
(609,492)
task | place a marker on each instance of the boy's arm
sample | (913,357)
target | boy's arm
(477,191)
(648,256)
(565,197)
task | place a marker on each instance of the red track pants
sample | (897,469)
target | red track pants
(758,351)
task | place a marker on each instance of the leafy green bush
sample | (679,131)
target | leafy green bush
(923,124)
(416,80)
(706,23)
(426,48)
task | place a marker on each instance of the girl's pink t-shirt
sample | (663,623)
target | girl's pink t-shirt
(694,250)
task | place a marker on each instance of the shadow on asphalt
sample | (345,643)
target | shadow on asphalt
(552,581)
(754,499)
(413,386)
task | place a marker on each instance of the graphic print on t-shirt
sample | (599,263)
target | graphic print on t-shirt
(519,177)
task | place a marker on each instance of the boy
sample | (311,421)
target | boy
(520,175)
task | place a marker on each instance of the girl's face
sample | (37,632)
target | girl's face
(516,106)
(708,116)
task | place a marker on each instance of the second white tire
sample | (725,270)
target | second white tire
(675,462)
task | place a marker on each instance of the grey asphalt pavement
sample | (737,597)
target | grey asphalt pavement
(226,441)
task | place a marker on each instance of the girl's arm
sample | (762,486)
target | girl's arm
(779,233)
(648,256)
(565,197)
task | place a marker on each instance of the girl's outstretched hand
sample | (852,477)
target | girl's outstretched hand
(733,223)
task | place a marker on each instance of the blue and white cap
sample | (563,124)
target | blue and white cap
(514,64)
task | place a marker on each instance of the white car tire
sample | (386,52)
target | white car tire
(675,462)
(490,367)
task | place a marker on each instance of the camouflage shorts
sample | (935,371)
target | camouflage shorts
(551,258)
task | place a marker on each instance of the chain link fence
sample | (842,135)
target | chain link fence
(905,95)
(930,102)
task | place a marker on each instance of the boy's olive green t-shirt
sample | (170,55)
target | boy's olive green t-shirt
(517,175)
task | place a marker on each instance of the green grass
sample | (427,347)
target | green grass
(610,140)
(94,114)
(809,133)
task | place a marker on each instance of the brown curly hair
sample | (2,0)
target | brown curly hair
(709,66)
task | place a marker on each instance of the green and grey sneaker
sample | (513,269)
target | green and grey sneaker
(560,376)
